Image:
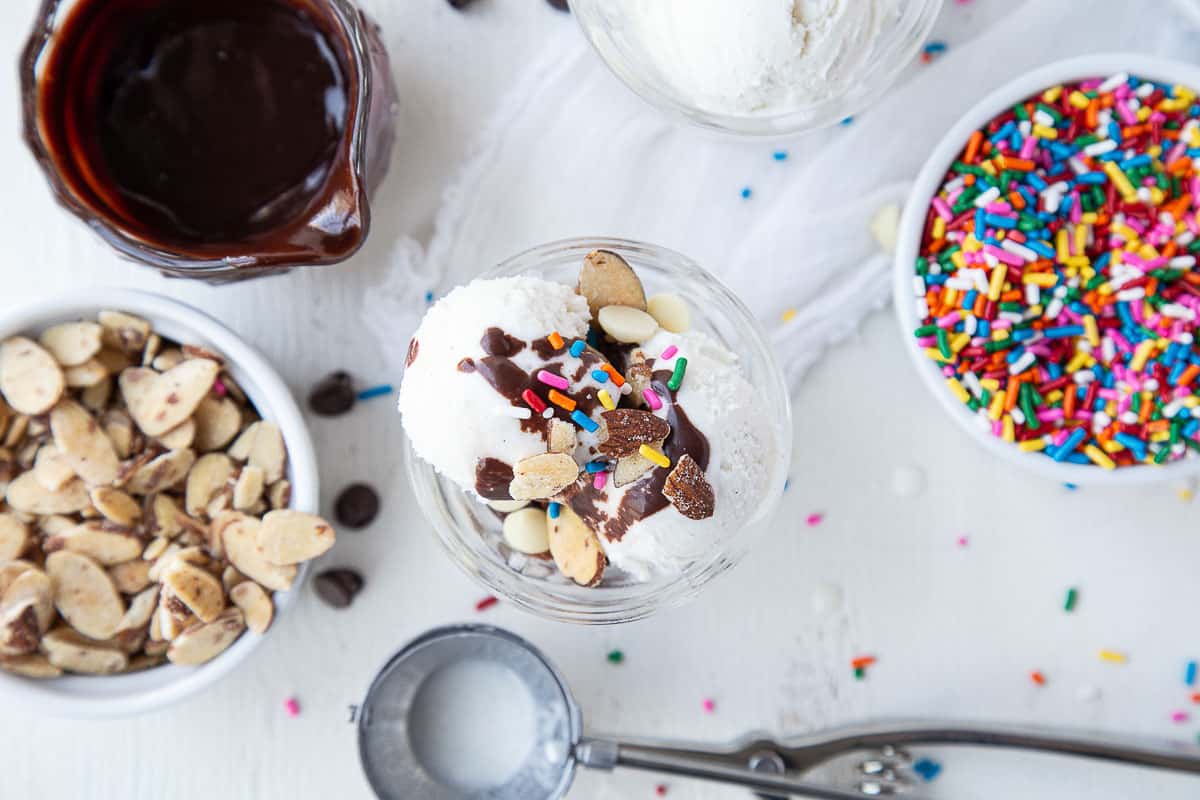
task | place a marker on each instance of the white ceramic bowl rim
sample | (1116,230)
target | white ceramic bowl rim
(140,692)
(912,227)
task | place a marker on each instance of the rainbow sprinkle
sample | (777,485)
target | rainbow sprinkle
(550,379)
(606,400)
(676,379)
(1113,657)
(556,340)
(600,481)
(650,454)
(577,348)
(1056,283)
(669,353)
(652,399)
(584,421)
(292,707)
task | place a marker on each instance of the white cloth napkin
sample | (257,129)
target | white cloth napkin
(572,152)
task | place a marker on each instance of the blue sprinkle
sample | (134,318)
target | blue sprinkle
(429,296)
(847,121)
(935,47)
(584,421)
(376,391)
(600,375)
(780,155)
(746,192)
(553,510)
(787,484)
(1190,674)
(1070,487)
(596,466)
(927,769)
(577,347)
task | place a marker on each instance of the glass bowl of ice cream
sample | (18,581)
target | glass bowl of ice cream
(758,67)
(597,428)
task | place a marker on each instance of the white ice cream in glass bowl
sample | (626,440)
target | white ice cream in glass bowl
(597,428)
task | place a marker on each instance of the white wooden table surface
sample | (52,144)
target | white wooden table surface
(956,629)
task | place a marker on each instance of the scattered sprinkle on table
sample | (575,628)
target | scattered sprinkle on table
(1180,717)
(963,541)
(376,391)
(661,790)
(1038,677)
(1196,698)
(429,296)
(1071,600)
(292,707)
(928,769)
(709,705)
(814,520)
(848,121)
(931,50)
(1189,673)
(788,315)
(780,155)
(486,603)
(616,657)
(746,192)
(1056,285)
(1114,657)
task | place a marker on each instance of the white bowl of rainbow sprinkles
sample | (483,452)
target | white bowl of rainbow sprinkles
(1046,271)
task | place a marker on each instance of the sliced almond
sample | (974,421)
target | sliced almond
(221,501)
(167,359)
(156,548)
(181,437)
(141,608)
(84,594)
(562,437)
(10,571)
(95,398)
(124,331)
(72,343)
(197,589)
(217,420)
(118,427)
(255,604)
(670,311)
(34,665)
(190,555)
(30,378)
(576,548)
(606,279)
(200,644)
(161,516)
(279,494)
(54,524)
(160,402)
(14,537)
(113,360)
(627,429)
(638,376)
(626,324)
(19,632)
(239,536)
(28,495)
(87,374)
(291,537)
(116,506)
(230,578)
(688,489)
(52,468)
(543,476)
(99,543)
(150,351)
(84,444)
(249,487)
(144,662)
(67,650)
(262,446)
(130,577)
(527,531)
(17,427)
(162,473)
(208,476)
(173,617)
(633,467)
(32,586)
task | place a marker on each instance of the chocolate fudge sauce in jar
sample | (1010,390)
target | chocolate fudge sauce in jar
(212,138)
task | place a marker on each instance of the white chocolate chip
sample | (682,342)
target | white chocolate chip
(626,324)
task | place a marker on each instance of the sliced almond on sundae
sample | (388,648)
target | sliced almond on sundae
(34,665)
(14,537)
(116,506)
(67,650)
(606,279)
(89,373)
(689,491)
(161,473)
(130,577)
(200,644)
(627,324)
(638,376)
(217,421)
(627,429)
(633,467)
(84,444)
(670,311)
(255,604)
(208,476)
(262,446)
(27,495)
(98,542)
(72,343)
(30,379)
(543,476)
(576,548)
(160,402)
(562,437)
(124,331)
(198,589)
(290,537)
(84,594)
(239,537)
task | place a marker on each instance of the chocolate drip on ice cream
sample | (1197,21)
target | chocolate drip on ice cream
(496,342)
(492,477)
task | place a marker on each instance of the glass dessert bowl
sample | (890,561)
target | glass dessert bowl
(671,561)
(753,70)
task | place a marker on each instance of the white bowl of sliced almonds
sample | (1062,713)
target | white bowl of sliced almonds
(158,488)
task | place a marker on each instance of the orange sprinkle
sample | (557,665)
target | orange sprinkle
(969,179)
(617,377)
(1196,698)
(1018,164)
(1013,389)
(1188,375)
(1016,200)
(555,340)
(561,400)
(862,662)
(1069,398)
(973,147)
(1093,111)
(1037,677)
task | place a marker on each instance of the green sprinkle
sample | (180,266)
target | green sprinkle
(943,343)
(1072,599)
(677,376)
(859,673)
(616,657)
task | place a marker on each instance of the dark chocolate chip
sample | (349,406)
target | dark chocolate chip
(337,587)
(357,506)
(333,396)
(561,5)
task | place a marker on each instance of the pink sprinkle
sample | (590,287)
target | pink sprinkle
(669,352)
(815,519)
(486,603)
(550,379)
(292,707)
(710,705)
(220,388)
(1180,717)
(652,399)
(962,541)
(600,481)
(661,790)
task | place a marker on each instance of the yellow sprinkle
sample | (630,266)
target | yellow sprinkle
(1044,132)
(939,228)
(1091,330)
(991,384)
(1081,234)
(1007,433)
(788,315)
(606,399)
(934,354)
(1099,457)
(1089,218)
(1185,495)
(1000,335)
(1143,114)
(1112,446)
(1078,99)
(1141,354)
(650,454)
(988,167)
(1032,445)
(958,259)
(960,341)
(1120,180)
(1161,436)
(1044,279)
(996,284)
(1076,363)
(1062,244)
(997,406)
(1054,397)
(1114,657)
(958,390)
(1052,94)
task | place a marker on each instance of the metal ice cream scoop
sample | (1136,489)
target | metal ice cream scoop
(398,761)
